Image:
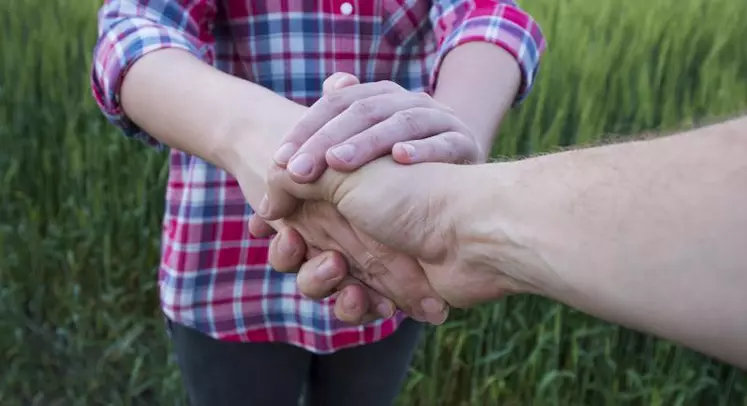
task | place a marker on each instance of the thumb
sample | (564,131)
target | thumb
(338,80)
(327,188)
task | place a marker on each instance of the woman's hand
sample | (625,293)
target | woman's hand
(353,124)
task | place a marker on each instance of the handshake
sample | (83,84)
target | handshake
(374,210)
(370,205)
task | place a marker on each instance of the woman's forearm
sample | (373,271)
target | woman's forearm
(479,81)
(649,234)
(191,106)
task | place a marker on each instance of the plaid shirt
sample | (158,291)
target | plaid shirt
(213,275)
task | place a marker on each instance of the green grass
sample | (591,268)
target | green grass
(81,206)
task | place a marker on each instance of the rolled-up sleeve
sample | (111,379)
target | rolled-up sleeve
(130,29)
(502,23)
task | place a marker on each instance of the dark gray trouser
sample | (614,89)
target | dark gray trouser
(217,373)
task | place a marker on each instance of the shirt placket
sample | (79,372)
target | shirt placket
(345,52)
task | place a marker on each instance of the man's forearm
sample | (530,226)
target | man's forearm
(479,81)
(649,234)
(191,106)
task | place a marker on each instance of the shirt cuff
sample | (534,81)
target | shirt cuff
(504,25)
(123,44)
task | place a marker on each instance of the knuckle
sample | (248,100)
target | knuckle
(301,131)
(325,138)
(458,146)
(336,101)
(446,109)
(408,121)
(390,86)
(376,141)
(377,257)
(372,265)
(298,220)
(311,210)
(423,98)
(274,175)
(452,139)
(471,150)
(356,270)
(365,110)
(385,254)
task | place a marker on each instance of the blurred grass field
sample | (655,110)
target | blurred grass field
(81,206)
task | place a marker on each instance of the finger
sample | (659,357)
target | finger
(449,147)
(328,106)
(320,276)
(287,250)
(278,201)
(338,80)
(401,279)
(333,83)
(361,115)
(357,304)
(259,228)
(351,305)
(405,125)
(393,274)
(279,181)
(326,274)
(303,165)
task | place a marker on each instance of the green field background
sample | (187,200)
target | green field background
(80,212)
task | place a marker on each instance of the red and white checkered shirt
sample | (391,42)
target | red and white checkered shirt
(213,275)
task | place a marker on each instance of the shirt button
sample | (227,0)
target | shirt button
(346,8)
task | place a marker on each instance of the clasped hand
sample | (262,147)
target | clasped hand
(373,251)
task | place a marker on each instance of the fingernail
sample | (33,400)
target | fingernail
(285,247)
(348,303)
(301,165)
(417,317)
(325,270)
(440,318)
(434,310)
(340,83)
(409,150)
(264,206)
(385,310)
(344,152)
(284,153)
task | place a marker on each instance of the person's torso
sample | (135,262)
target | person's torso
(214,276)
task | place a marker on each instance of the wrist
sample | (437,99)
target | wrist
(481,90)
(250,136)
(250,133)
(500,228)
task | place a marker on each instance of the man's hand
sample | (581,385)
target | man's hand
(412,213)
